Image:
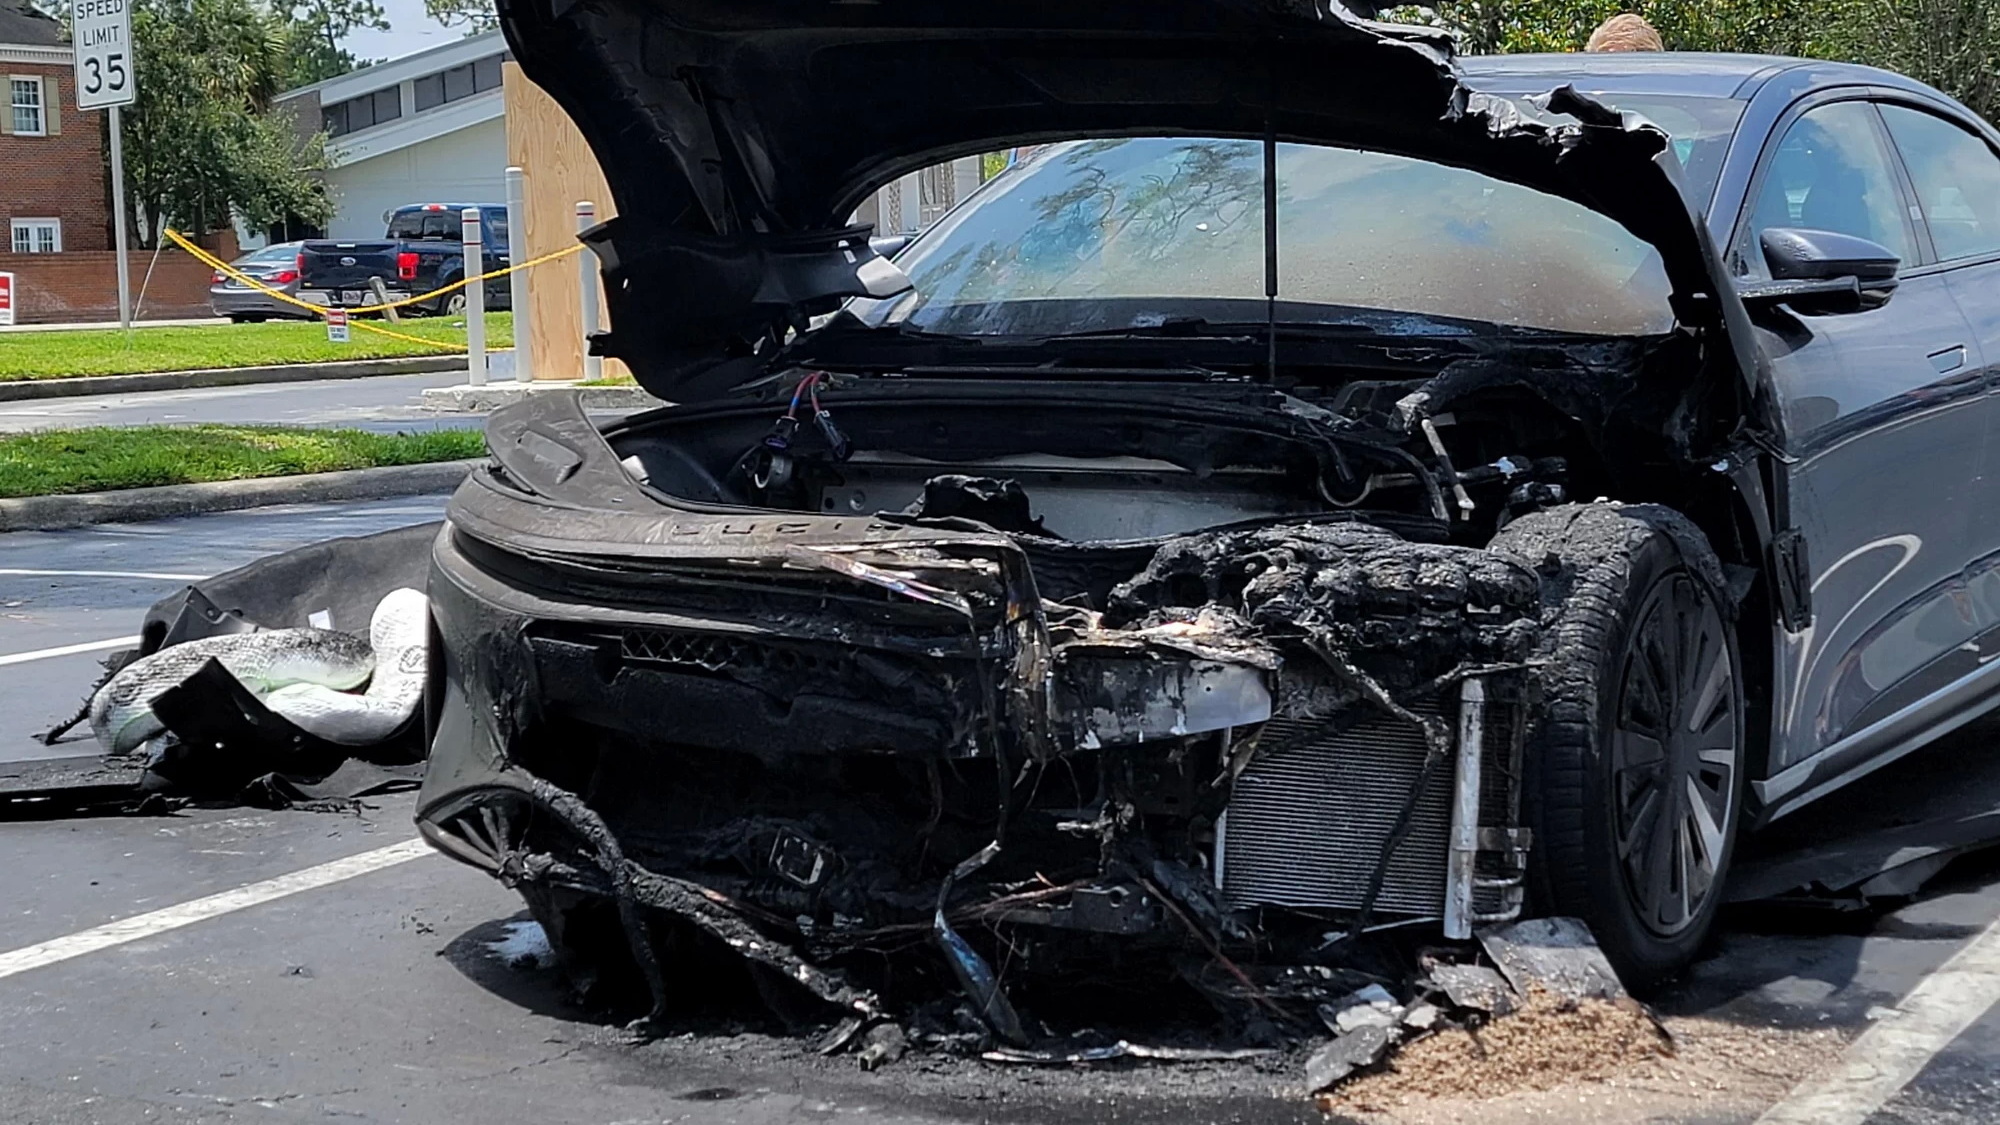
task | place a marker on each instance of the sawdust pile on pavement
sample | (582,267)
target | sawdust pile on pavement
(1580,1061)
(1549,1042)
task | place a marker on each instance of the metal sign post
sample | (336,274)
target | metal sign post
(518,251)
(475,296)
(586,217)
(101,37)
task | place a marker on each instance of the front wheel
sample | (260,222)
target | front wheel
(1636,763)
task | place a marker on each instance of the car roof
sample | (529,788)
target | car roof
(1688,73)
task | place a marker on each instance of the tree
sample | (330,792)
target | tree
(1784,27)
(317,29)
(1953,45)
(202,143)
(474,16)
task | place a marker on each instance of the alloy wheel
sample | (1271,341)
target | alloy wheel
(1676,751)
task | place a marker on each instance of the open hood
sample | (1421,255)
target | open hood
(738,135)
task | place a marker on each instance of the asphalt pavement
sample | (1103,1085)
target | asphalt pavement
(300,966)
(384,403)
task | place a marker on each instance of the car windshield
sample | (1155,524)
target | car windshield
(1122,233)
(1701,129)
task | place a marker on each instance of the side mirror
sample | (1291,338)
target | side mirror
(1823,271)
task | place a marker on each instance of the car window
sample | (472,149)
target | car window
(1831,172)
(1123,232)
(425,225)
(1957,179)
(286,253)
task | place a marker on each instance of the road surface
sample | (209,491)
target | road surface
(384,403)
(396,986)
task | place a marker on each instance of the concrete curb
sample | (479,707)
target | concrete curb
(52,513)
(466,399)
(17,390)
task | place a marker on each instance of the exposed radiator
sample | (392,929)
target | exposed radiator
(1307,819)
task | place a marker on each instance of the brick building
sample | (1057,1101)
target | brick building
(55,207)
(52,194)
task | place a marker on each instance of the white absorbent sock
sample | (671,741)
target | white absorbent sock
(399,633)
(121,713)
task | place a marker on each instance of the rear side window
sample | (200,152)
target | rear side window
(1957,179)
(425,225)
(286,254)
(1832,172)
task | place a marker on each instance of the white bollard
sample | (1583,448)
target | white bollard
(475,298)
(517,252)
(586,217)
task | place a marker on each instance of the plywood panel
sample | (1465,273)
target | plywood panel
(560,169)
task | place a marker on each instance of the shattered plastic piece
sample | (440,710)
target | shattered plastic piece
(1359,1048)
(1421,1017)
(1372,1006)
(842,1036)
(1474,986)
(1365,1015)
(976,977)
(885,1043)
(1558,954)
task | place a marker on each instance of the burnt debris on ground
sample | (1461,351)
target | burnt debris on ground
(291,682)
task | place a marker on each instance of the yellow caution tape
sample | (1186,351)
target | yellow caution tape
(212,261)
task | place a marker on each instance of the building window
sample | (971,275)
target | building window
(476,77)
(356,114)
(37,236)
(26,98)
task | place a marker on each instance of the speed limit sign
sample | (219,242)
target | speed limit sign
(101,33)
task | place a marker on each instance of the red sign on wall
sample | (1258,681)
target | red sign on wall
(6,298)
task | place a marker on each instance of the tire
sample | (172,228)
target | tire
(453,303)
(1636,760)
(246,318)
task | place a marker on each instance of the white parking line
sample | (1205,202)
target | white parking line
(17,572)
(188,913)
(1895,1050)
(67,650)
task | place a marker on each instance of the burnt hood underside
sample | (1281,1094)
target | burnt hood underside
(737,135)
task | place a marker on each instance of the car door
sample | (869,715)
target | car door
(1885,425)
(1954,171)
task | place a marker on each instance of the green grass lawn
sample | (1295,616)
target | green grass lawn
(58,355)
(109,457)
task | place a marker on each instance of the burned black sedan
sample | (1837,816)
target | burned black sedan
(1299,495)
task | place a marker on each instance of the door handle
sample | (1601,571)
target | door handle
(1948,360)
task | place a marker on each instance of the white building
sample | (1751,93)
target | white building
(428,127)
(431,128)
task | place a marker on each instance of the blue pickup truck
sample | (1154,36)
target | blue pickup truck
(420,253)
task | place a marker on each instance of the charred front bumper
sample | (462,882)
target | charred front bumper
(816,741)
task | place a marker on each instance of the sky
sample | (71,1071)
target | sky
(409,30)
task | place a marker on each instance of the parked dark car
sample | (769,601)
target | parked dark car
(276,266)
(422,252)
(1330,489)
